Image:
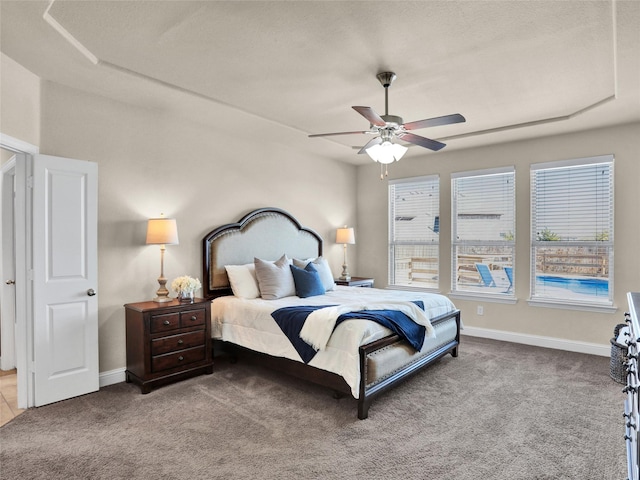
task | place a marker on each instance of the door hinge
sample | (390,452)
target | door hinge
(30,181)
(30,274)
(32,367)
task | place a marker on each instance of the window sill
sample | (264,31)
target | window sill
(484,298)
(572,306)
(412,289)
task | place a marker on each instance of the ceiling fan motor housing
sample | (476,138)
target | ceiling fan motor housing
(386,78)
(391,119)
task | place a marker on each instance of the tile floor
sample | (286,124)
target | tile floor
(8,396)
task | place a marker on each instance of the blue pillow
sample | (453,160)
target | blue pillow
(307,280)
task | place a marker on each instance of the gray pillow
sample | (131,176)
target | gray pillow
(275,278)
(323,268)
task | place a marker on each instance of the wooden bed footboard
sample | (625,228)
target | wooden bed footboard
(373,382)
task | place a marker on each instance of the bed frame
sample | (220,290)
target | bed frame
(268,233)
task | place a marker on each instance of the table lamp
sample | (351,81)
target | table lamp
(345,236)
(162,231)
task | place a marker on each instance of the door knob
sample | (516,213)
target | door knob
(91,292)
(10,282)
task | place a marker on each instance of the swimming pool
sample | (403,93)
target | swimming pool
(586,286)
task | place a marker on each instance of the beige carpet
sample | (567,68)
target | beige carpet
(499,411)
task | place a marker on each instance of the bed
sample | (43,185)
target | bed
(360,358)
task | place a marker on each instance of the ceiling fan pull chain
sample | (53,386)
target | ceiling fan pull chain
(384,173)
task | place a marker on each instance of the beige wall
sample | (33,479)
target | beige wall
(579,326)
(19,102)
(202,173)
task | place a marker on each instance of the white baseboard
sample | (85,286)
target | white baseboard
(112,376)
(539,341)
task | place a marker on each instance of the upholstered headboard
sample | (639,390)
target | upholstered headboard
(265,233)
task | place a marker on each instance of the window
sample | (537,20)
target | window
(572,231)
(483,232)
(414,226)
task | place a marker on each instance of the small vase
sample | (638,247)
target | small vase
(186,297)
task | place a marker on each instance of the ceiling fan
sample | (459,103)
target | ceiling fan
(390,127)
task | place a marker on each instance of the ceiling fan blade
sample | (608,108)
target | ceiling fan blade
(422,141)
(338,133)
(371,115)
(371,143)
(434,122)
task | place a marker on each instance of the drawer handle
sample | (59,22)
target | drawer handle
(180,358)
(180,342)
(166,322)
(194,318)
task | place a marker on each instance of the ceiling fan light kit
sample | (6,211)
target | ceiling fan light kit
(386,152)
(382,148)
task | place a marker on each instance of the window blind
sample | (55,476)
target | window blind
(573,203)
(415,210)
(483,206)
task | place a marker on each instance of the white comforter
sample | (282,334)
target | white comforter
(249,323)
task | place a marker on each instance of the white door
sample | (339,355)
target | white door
(65,278)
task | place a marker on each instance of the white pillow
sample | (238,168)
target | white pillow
(323,268)
(243,280)
(275,278)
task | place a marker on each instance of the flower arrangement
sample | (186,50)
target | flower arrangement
(186,284)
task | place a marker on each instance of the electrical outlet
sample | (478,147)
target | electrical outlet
(480,310)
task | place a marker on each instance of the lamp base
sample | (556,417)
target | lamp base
(162,294)
(346,276)
(162,299)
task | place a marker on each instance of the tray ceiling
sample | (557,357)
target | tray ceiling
(514,69)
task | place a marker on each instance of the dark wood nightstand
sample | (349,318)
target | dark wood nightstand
(167,342)
(356,282)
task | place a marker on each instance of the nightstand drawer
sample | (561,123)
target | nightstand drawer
(164,323)
(177,359)
(192,318)
(163,345)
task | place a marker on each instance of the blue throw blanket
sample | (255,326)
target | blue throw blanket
(291,320)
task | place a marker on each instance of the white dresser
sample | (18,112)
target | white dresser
(631,415)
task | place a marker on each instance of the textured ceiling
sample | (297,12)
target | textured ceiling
(514,69)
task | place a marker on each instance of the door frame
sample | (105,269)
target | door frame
(23,261)
(7,267)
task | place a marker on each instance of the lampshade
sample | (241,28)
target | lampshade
(345,235)
(386,152)
(162,231)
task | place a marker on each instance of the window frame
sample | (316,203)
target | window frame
(499,295)
(392,276)
(537,299)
